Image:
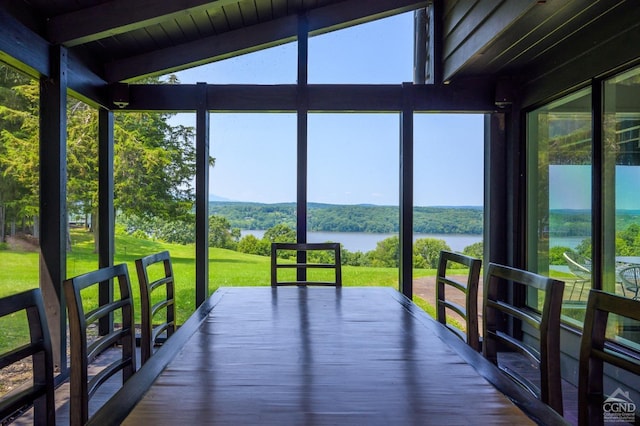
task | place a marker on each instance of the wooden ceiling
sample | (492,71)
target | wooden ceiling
(531,37)
(121,40)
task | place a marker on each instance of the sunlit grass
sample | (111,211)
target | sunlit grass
(226,268)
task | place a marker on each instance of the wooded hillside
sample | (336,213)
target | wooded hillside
(350,218)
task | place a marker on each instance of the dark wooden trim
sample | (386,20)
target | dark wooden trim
(22,48)
(472,96)
(26,51)
(119,406)
(119,16)
(85,83)
(202,196)
(203,51)
(53,196)
(406,194)
(496,234)
(468,36)
(420,46)
(106,214)
(436,42)
(553,76)
(597,186)
(302,111)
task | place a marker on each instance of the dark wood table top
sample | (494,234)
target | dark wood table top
(318,356)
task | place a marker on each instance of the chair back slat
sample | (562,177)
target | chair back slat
(503,328)
(153,328)
(40,390)
(596,350)
(83,351)
(447,283)
(303,263)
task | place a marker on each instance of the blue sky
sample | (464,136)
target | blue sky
(353,158)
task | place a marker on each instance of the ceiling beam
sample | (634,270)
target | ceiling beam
(120,16)
(256,37)
(22,48)
(474,96)
(26,51)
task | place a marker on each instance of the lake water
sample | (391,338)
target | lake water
(360,241)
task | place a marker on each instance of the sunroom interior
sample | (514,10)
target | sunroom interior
(557,82)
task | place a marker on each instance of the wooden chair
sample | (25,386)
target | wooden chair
(330,260)
(85,312)
(152,304)
(531,333)
(469,312)
(40,391)
(596,350)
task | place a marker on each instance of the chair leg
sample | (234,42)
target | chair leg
(584,282)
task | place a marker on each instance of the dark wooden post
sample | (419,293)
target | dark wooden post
(495,189)
(302,111)
(202,196)
(434,63)
(53,196)
(406,192)
(420,43)
(106,212)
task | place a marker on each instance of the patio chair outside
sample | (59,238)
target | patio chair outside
(580,266)
(630,277)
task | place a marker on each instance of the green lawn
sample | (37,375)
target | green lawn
(226,268)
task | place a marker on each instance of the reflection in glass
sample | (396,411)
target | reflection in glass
(559,177)
(621,134)
(621,144)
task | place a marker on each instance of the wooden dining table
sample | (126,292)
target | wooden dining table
(318,356)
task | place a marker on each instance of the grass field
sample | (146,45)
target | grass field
(20,272)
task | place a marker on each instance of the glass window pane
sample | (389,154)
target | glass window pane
(559,197)
(275,65)
(447,148)
(621,135)
(375,52)
(353,192)
(252,192)
(19,181)
(82,186)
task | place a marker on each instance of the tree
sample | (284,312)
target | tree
(252,245)
(280,234)
(154,162)
(220,233)
(429,250)
(19,147)
(386,253)
(474,250)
